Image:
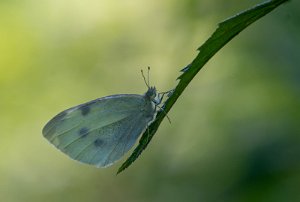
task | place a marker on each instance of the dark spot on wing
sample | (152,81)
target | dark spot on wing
(85,110)
(83,132)
(98,142)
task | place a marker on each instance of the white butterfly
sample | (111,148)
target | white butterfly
(101,131)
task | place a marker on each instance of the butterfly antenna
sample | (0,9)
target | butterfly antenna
(145,78)
(148,76)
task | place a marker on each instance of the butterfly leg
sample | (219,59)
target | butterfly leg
(160,98)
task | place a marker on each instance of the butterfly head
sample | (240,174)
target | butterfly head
(151,93)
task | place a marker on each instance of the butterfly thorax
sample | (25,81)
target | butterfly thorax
(149,106)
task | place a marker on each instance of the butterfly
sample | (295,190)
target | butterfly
(101,131)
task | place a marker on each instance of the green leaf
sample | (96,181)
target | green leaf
(222,35)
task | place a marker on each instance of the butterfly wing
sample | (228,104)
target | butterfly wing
(101,131)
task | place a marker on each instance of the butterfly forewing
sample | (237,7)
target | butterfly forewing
(101,131)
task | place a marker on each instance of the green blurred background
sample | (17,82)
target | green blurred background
(235,130)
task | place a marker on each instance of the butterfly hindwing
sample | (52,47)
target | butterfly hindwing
(112,141)
(101,131)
